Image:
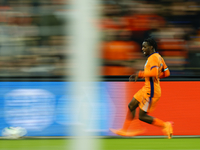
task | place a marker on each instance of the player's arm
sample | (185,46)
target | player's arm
(165,73)
(153,72)
(142,74)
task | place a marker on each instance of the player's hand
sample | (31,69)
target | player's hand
(132,77)
(136,77)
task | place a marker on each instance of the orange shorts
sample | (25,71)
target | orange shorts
(147,103)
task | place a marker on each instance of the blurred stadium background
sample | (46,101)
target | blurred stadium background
(33,36)
(37,56)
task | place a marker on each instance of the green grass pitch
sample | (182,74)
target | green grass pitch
(105,144)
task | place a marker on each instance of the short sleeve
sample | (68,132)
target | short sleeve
(164,65)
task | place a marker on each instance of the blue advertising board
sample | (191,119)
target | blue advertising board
(44,108)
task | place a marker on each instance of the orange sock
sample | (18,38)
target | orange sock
(128,120)
(158,122)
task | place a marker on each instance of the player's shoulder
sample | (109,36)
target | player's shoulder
(154,56)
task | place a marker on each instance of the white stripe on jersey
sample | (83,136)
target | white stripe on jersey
(165,69)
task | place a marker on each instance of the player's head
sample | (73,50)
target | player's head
(149,46)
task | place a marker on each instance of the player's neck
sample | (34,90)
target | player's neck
(151,52)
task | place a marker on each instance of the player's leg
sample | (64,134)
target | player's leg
(132,108)
(167,126)
(147,105)
(129,117)
(130,113)
(144,117)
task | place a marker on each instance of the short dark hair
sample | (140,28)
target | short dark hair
(151,42)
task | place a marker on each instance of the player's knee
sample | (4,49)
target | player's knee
(130,106)
(133,105)
(145,118)
(141,117)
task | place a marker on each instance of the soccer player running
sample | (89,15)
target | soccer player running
(146,98)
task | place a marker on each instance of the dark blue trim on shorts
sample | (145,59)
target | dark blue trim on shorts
(152,90)
(150,99)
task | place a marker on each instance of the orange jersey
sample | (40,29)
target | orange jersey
(154,69)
